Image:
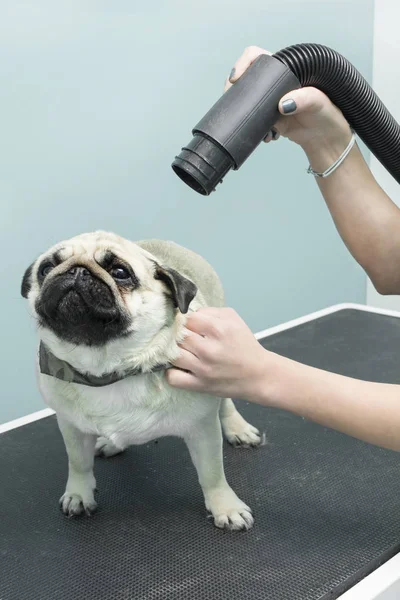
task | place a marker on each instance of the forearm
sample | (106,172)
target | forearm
(366,219)
(365,410)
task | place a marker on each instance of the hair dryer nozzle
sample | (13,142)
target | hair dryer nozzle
(202,164)
(235,125)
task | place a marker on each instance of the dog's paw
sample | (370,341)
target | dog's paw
(228,511)
(239,432)
(105,447)
(74,505)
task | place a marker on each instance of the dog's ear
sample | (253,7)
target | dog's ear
(27,281)
(182,289)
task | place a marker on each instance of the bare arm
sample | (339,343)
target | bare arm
(367,220)
(365,217)
(221,356)
(365,410)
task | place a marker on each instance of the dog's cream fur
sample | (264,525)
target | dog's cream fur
(141,408)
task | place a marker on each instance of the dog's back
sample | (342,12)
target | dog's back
(191,265)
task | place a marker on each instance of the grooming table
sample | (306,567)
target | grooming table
(327,506)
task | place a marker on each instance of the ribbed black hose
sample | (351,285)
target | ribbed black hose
(323,68)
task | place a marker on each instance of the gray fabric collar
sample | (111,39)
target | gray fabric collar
(53,366)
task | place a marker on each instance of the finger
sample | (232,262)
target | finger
(243,63)
(212,318)
(272,135)
(207,321)
(275,134)
(225,313)
(180,379)
(193,343)
(305,99)
(227,84)
(268,137)
(187,361)
(198,322)
(203,321)
(212,311)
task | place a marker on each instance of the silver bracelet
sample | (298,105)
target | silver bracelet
(337,163)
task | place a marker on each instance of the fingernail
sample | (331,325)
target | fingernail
(288,106)
(268,137)
(275,134)
(232,74)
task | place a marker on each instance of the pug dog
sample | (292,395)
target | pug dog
(110,315)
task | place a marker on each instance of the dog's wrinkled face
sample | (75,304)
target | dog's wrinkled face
(98,287)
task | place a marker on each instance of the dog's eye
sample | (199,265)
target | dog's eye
(45,270)
(120,273)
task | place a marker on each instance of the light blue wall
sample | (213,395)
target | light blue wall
(96,99)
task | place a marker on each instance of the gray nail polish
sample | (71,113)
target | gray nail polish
(289,106)
(232,74)
(268,137)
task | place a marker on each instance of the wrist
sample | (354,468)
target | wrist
(283,383)
(323,151)
(267,383)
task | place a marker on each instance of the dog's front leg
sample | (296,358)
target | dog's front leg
(79,492)
(205,447)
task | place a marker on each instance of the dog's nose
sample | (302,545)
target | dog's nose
(79,272)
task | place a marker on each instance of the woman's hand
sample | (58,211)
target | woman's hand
(224,359)
(308,116)
(220,356)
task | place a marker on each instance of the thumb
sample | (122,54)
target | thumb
(181,379)
(307,99)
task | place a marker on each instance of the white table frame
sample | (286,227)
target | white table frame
(384,582)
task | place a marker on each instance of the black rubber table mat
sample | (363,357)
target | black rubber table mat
(327,507)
